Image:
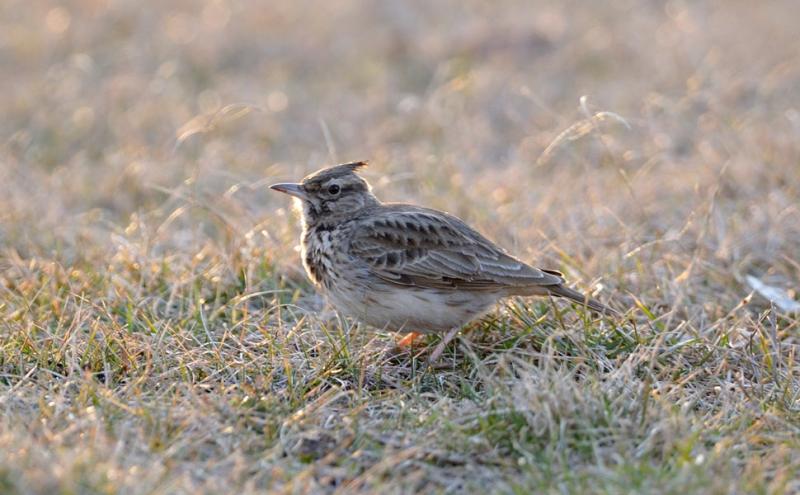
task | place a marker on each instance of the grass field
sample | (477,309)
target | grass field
(157,334)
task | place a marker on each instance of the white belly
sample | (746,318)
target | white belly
(413,309)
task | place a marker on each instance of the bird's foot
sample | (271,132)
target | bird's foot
(408,340)
(405,346)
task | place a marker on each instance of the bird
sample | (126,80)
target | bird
(407,268)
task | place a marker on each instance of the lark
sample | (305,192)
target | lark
(406,268)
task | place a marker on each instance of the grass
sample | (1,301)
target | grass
(157,334)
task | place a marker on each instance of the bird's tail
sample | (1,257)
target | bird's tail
(562,291)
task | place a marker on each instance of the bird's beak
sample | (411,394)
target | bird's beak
(295,190)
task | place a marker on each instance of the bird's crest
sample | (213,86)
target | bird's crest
(352,166)
(336,171)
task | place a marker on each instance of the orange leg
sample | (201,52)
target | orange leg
(408,340)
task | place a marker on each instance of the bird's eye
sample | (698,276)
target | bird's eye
(333,189)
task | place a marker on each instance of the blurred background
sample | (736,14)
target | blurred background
(160,123)
(157,334)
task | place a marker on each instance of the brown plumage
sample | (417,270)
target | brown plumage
(404,267)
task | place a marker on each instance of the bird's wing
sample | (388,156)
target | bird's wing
(419,247)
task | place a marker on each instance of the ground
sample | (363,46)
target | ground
(157,334)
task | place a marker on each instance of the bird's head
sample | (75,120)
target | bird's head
(331,195)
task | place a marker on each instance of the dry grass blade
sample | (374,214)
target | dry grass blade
(202,124)
(578,130)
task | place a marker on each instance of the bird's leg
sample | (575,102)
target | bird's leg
(440,348)
(408,340)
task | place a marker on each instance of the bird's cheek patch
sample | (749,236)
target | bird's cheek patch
(310,209)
